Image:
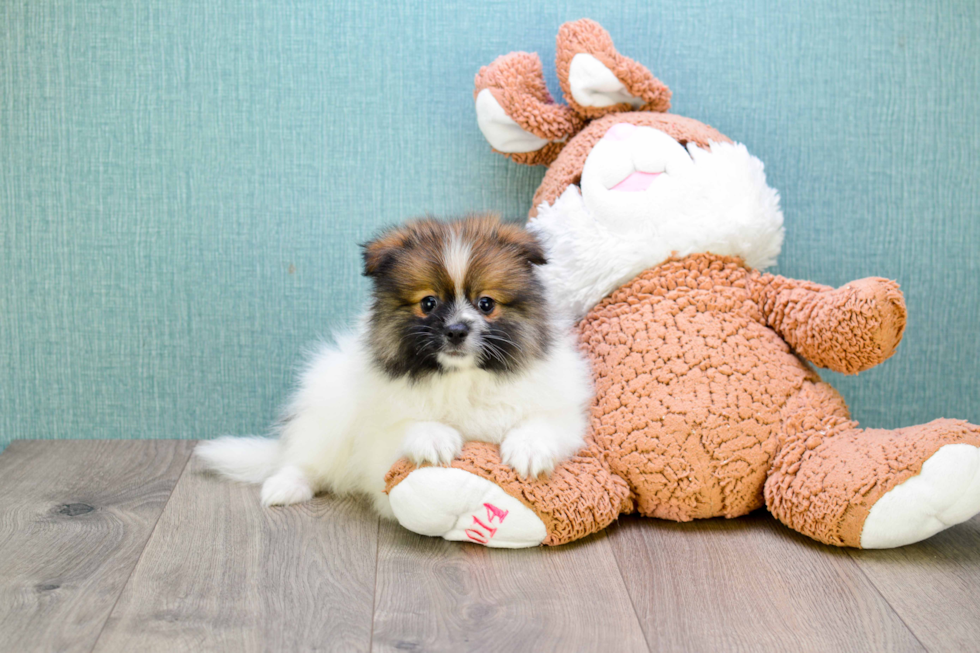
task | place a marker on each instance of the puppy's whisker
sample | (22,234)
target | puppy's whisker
(498,353)
(495,336)
(491,336)
(496,356)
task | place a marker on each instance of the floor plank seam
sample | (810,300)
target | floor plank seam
(140,557)
(898,614)
(374,595)
(622,578)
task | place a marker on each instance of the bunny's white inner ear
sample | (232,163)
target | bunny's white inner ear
(594,85)
(500,130)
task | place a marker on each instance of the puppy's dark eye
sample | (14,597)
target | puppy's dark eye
(486,305)
(428,304)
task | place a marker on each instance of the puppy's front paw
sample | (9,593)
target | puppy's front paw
(431,442)
(530,452)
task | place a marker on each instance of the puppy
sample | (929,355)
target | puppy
(458,343)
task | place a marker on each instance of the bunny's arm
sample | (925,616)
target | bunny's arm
(848,329)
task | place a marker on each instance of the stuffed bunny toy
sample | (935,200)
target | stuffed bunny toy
(656,227)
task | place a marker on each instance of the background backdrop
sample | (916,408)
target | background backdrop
(183,184)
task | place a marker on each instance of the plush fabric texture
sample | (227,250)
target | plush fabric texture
(727,206)
(580,497)
(516,82)
(588,37)
(567,167)
(945,492)
(863,332)
(477,510)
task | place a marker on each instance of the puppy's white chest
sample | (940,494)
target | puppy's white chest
(487,424)
(478,410)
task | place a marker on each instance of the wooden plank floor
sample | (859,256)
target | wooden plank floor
(129,546)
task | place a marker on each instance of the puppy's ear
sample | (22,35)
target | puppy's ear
(380,253)
(525,243)
(534,252)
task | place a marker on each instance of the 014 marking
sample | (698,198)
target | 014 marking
(482,533)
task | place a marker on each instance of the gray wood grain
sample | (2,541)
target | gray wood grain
(209,569)
(448,596)
(74,517)
(933,585)
(750,584)
(223,573)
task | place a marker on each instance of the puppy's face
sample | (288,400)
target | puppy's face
(456,295)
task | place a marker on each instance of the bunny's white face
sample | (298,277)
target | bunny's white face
(644,197)
(633,176)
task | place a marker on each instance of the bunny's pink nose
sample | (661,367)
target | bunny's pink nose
(619,131)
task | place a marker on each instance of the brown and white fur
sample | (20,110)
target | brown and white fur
(458,343)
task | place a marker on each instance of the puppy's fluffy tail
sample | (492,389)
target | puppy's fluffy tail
(249,460)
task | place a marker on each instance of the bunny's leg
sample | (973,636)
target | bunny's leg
(479,499)
(870,488)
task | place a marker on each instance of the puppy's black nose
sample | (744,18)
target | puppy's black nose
(456,333)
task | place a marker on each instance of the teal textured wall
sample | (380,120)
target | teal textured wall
(182,184)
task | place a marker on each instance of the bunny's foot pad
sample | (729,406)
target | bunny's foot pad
(456,505)
(945,493)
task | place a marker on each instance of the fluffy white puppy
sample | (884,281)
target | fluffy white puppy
(458,344)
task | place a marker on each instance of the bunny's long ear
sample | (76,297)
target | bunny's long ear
(516,113)
(597,80)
